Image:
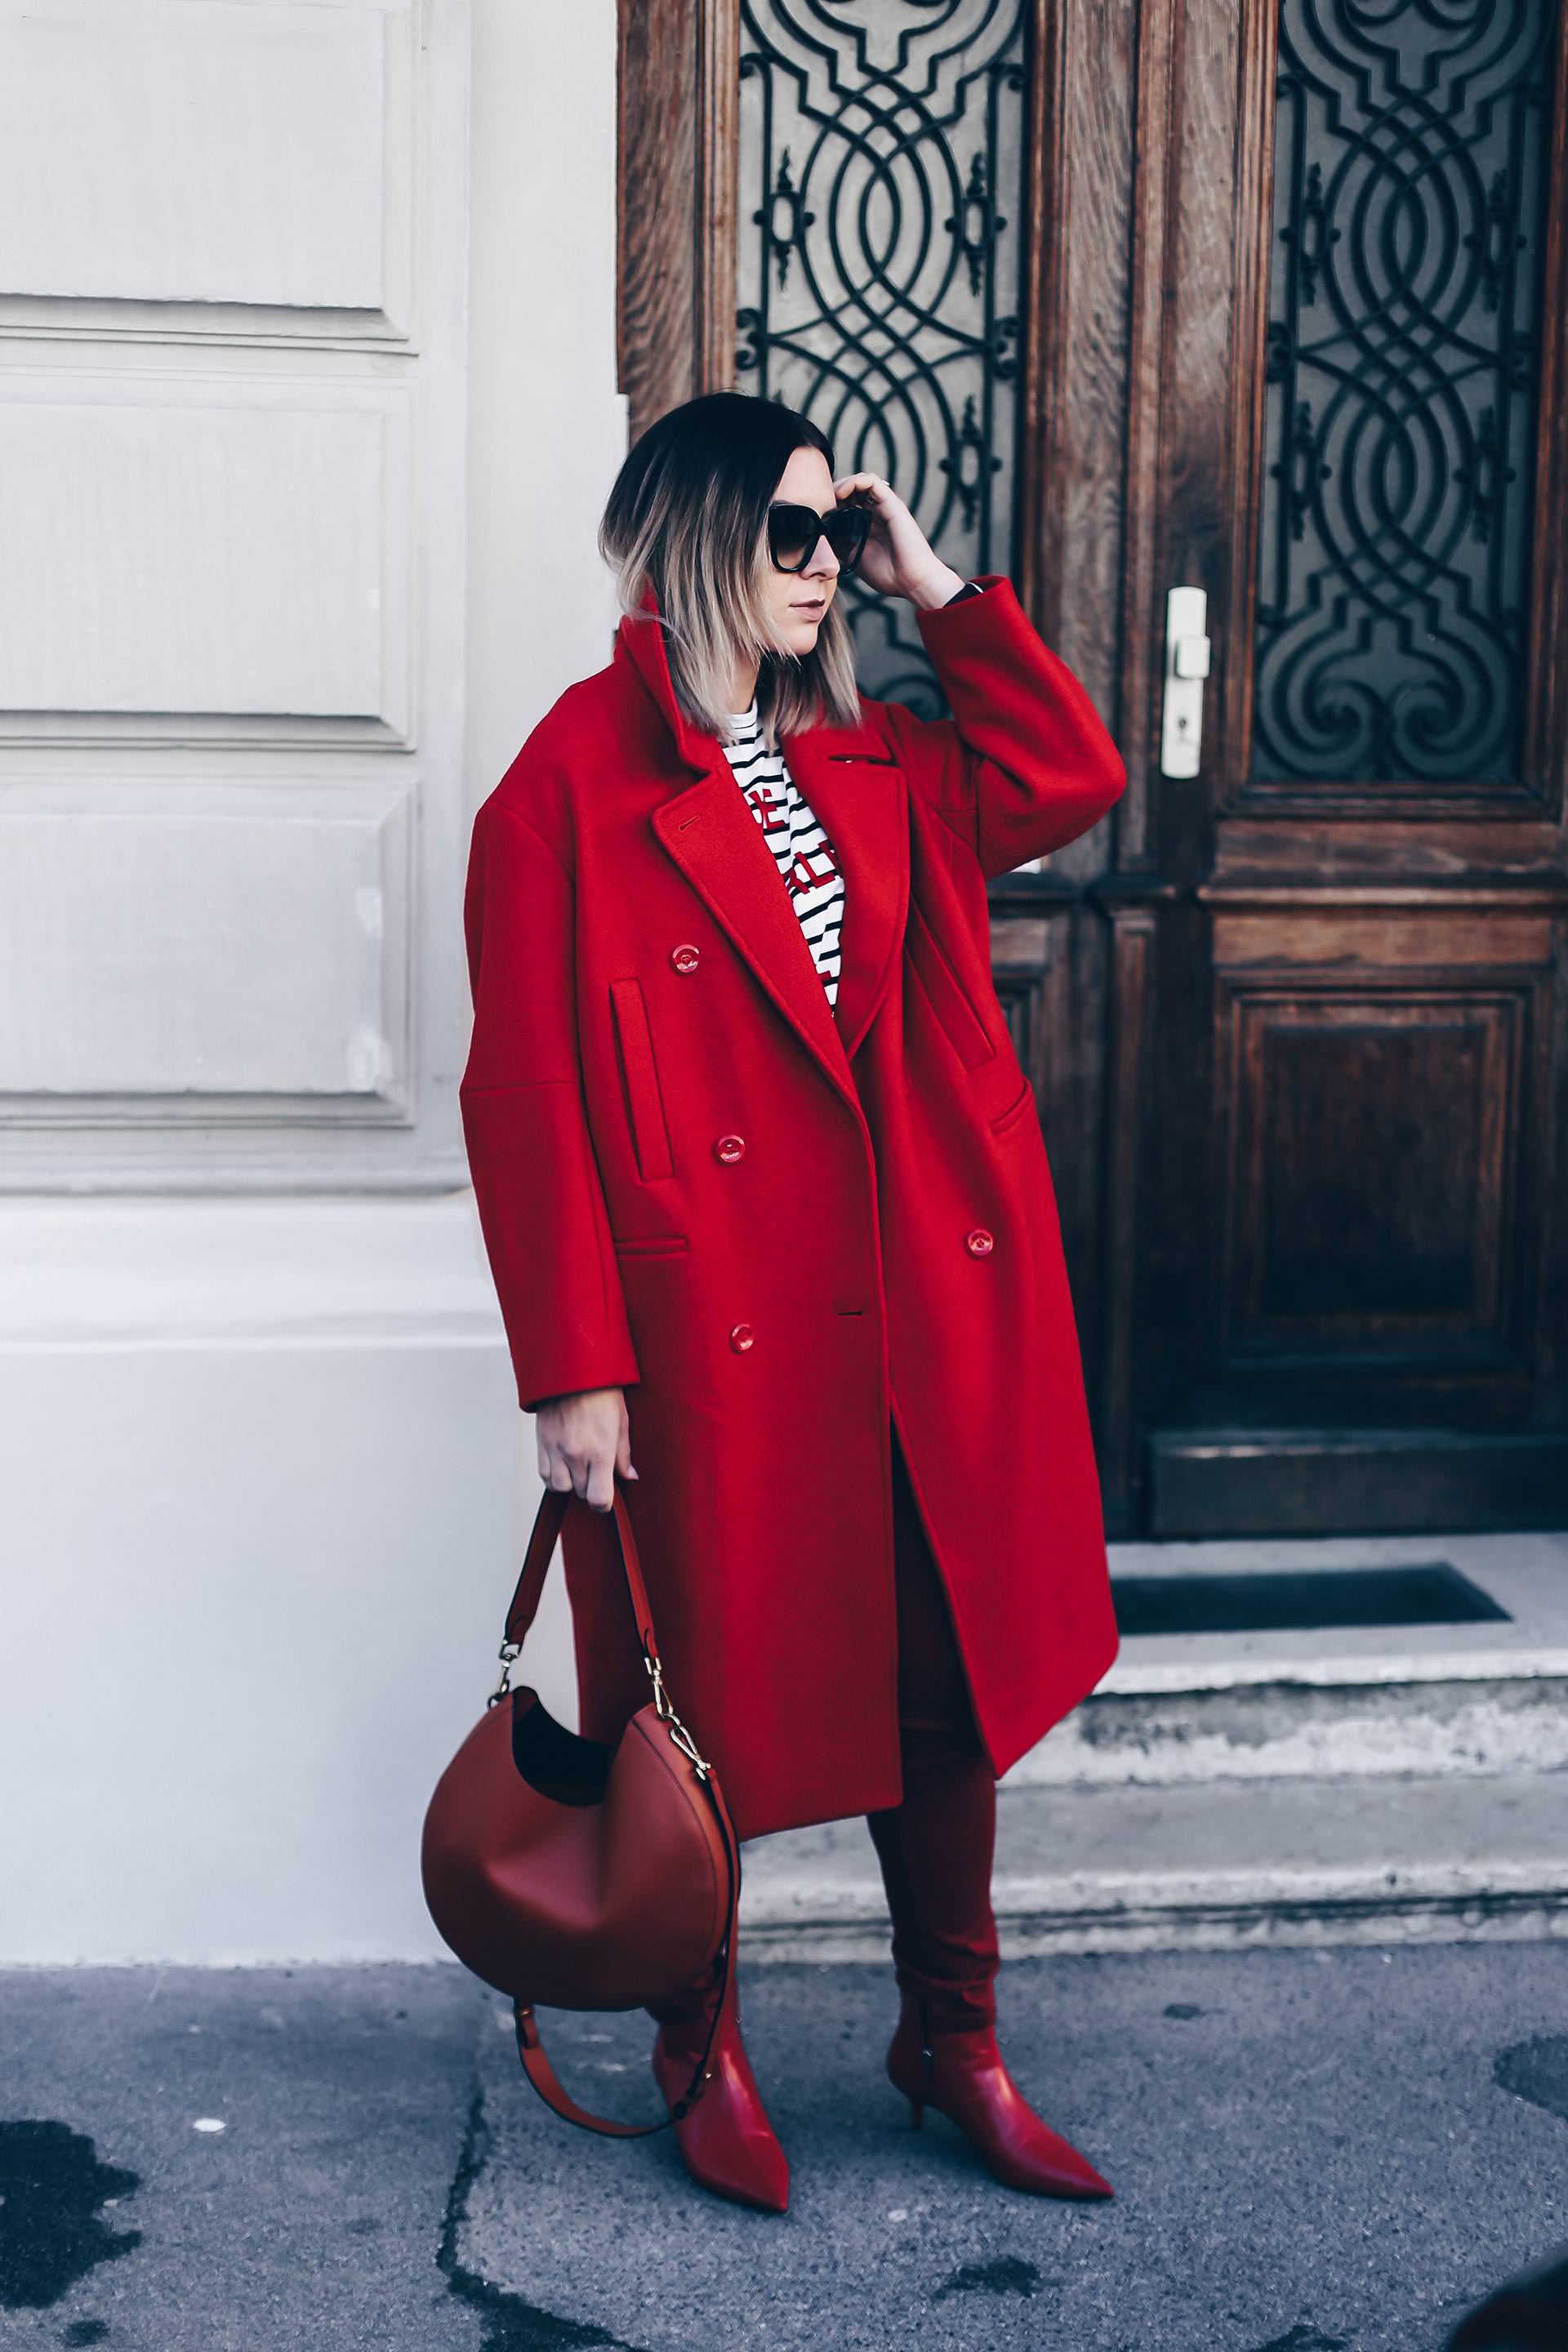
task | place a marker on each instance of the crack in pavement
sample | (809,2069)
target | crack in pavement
(511,2324)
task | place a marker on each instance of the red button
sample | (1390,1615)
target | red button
(729,1148)
(741,1338)
(979,1244)
(685,958)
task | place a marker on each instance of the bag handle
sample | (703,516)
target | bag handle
(535,2059)
(547,1525)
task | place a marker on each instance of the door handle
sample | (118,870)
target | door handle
(1186,666)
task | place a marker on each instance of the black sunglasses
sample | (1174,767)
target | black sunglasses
(794,531)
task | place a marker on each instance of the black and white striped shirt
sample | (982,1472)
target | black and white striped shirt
(804,855)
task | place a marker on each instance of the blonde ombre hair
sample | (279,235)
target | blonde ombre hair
(688,517)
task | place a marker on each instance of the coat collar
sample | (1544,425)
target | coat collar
(860,798)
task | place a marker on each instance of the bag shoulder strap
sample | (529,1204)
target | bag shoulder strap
(535,2058)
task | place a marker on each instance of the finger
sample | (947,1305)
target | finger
(600,1490)
(558,1475)
(877,485)
(624,1451)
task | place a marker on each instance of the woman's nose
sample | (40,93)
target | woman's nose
(816,564)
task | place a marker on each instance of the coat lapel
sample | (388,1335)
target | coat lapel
(716,841)
(858,797)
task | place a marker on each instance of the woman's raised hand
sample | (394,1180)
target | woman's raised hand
(900,560)
(584,1439)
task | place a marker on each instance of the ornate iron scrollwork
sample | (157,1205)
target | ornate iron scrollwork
(881,265)
(1404,307)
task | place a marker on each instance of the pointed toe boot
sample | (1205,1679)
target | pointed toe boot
(726,2141)
(962,2076)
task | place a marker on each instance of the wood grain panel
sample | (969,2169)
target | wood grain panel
(1049,961)
(1546,730)
(1373,1166)
(1082,383)
(1043,438)
(1158,32)
(656,253)
(677,157)
(1133,949)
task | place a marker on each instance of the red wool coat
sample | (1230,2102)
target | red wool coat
(775,1224)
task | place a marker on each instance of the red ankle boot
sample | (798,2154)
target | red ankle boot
(963,2075)
(727,2143)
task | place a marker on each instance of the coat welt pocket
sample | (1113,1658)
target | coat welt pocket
(966,1032)
(639,1078)
(651,1245)
(1014,1110)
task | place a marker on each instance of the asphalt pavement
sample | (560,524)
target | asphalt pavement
(1314,2150)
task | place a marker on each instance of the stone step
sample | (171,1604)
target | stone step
(1318,1719)
(1207,1865)
(1332,1701)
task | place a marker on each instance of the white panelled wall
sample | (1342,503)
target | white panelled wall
(307,416)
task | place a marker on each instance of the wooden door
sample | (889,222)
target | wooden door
(1279,291)
(1345,425)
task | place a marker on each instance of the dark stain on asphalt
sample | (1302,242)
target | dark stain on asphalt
(1006,2276)
(511,2325)
(1184,2008)
(51,2188)
(86,2331)
(1302,2338)
(1536,2069)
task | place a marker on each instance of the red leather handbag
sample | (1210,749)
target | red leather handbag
(584,1875)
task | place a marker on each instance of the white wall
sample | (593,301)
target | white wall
(547,427)
(259,1452)
(547,432)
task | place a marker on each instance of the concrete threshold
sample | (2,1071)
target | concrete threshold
(1210,1867)
(1526,1576)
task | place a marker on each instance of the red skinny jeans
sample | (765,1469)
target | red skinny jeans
(935,1845)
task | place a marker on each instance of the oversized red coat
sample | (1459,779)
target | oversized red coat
(773,1225)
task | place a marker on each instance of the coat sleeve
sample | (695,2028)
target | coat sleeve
(540,1203)
(1025,764)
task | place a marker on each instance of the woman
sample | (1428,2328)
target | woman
(768,1209)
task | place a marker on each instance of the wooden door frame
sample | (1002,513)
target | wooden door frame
(676,167)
